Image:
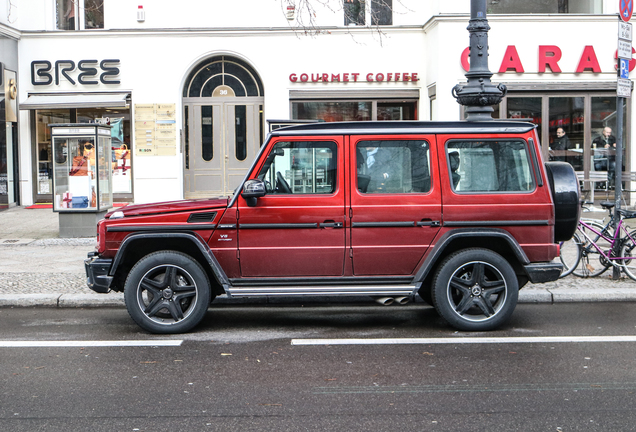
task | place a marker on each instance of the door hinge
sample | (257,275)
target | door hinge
(238,254)
(350,253)
(350,212)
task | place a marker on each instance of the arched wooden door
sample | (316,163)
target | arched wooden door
(223,125)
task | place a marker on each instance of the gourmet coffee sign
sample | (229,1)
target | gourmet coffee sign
(354,77)
(85,72)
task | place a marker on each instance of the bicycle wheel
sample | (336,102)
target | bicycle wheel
(592,262)
(628,250)
(570,254)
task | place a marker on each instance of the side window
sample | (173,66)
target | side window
(489,166)
(301,167)
(79,14)
(393,166)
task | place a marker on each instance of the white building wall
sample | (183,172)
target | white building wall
(157,55)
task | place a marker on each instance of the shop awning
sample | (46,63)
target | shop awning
(84,100)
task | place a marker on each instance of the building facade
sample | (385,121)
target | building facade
(191,91)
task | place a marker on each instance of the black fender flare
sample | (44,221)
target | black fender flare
(192,237)
(447,238)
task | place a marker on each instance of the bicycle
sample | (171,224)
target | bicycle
(590,252)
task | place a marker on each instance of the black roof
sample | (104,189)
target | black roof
(405,127)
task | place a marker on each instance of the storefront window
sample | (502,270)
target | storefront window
(604,130)
(121,163)
(579,129)
(566,130)
(397,111)
(544,6)
(526,108)
(332,111)
(43,187)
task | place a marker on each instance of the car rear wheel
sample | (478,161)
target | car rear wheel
(167,292)
(475,290)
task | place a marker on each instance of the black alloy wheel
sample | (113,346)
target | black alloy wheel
(167,292)
(475,290)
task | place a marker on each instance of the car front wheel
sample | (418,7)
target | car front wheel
(167,292)
(475,290)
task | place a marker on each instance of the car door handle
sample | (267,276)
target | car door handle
(331,224)
(429,222)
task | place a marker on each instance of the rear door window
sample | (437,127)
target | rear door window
(392,167)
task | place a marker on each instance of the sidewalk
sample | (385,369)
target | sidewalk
(37,268)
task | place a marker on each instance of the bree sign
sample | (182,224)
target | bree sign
(43,72)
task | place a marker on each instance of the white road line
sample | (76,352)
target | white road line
(89,343)
(464,340)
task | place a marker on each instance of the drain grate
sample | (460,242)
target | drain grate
(15,242)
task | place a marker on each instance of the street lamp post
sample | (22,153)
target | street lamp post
(479,94)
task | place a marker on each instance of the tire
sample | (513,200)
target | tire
(628,249)
(167,292)
(570,255)
(475,290)
(592,263)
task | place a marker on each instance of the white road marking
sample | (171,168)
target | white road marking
(464,340)
(89,343)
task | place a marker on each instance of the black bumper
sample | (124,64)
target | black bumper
(543,272)
(97,270)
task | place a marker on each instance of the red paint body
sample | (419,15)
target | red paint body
(344,250)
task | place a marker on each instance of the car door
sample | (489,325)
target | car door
(395,202)
(297,228)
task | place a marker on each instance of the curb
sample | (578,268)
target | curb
(62,300)
(530,295)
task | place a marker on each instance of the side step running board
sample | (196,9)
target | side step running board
(317,290)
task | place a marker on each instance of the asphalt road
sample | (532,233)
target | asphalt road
(240,372)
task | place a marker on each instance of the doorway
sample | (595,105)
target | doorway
(223,126)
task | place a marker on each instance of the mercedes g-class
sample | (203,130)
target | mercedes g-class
(462,214)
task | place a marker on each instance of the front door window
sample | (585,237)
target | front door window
(303,167)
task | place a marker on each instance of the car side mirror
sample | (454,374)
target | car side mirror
(253,189)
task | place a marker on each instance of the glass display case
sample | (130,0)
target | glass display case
(82,174)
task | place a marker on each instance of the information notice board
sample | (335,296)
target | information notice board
(155,130)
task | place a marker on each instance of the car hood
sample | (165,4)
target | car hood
(171,207)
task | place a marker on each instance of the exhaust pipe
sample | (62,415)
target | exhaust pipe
(385,301)
(402,300)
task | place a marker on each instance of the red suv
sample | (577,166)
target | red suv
(462,213)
